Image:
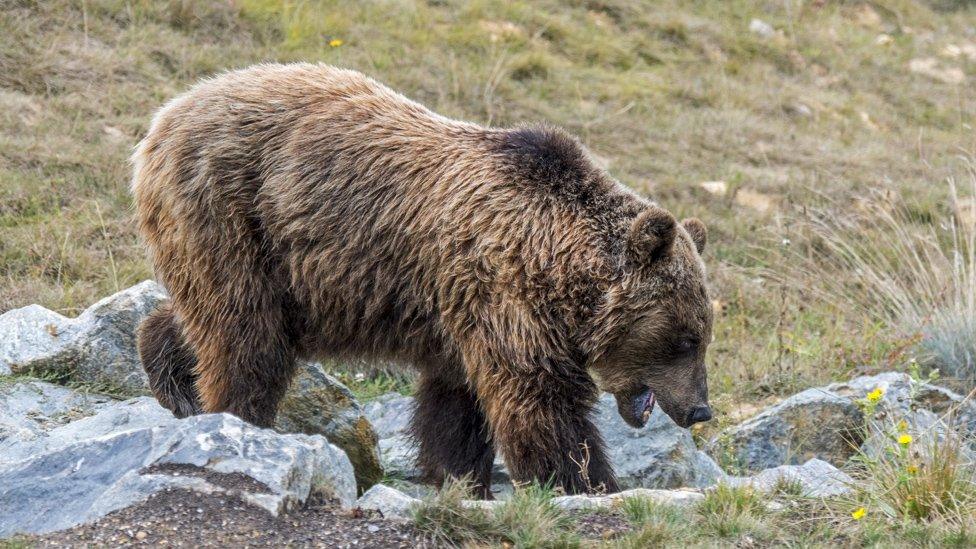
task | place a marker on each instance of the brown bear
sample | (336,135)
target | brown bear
(305,211)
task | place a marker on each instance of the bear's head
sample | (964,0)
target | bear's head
(657,322)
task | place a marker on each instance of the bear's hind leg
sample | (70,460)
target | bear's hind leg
(169,362)
(452,434)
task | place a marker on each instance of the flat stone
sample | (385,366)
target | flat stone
(390,502)
(815,478)
(30,408)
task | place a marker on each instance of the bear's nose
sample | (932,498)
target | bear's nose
(700,414)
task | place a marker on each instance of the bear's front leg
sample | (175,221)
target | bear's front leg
(539,421)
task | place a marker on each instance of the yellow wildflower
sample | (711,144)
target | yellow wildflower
(875,395)
(335,42)
(859,513)
(905,440)
(902,426)
(912,469)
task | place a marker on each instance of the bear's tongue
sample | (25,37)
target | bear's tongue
(643,406)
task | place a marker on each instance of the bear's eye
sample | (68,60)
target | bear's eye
(685,345)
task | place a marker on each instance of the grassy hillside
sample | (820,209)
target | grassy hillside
(830,102)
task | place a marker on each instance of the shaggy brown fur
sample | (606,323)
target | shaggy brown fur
(305,211)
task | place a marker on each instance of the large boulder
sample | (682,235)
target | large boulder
(318,404)
(816,423)
(97,348)
(661,455)
(104,420)
(79,475)
(828,423)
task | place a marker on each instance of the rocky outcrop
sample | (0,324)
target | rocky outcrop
(829,424)
(661,455)
(126,452)
(97,348)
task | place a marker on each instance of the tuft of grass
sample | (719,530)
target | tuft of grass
(368,381)
(528,519)
(445,520)
(903,264)
(931,477)
(654,524)
(729,512)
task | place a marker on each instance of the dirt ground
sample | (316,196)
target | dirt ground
(179,518)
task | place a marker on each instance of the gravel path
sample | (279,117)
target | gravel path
(179,518)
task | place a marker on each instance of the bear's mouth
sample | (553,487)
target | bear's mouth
(636,409)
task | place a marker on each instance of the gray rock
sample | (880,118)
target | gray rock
(107,338)
(816,423)
(93,475)
(318,404)
(815,478)
(31,335)
(112,418)
(901,395)
(98,347)
(660,455)
(28,409)
(390,416)
(390,502)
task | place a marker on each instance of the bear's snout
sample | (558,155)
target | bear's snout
(699,414)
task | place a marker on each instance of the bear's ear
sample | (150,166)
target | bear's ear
(696,229)
(651,235)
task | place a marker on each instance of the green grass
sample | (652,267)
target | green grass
(528,519)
